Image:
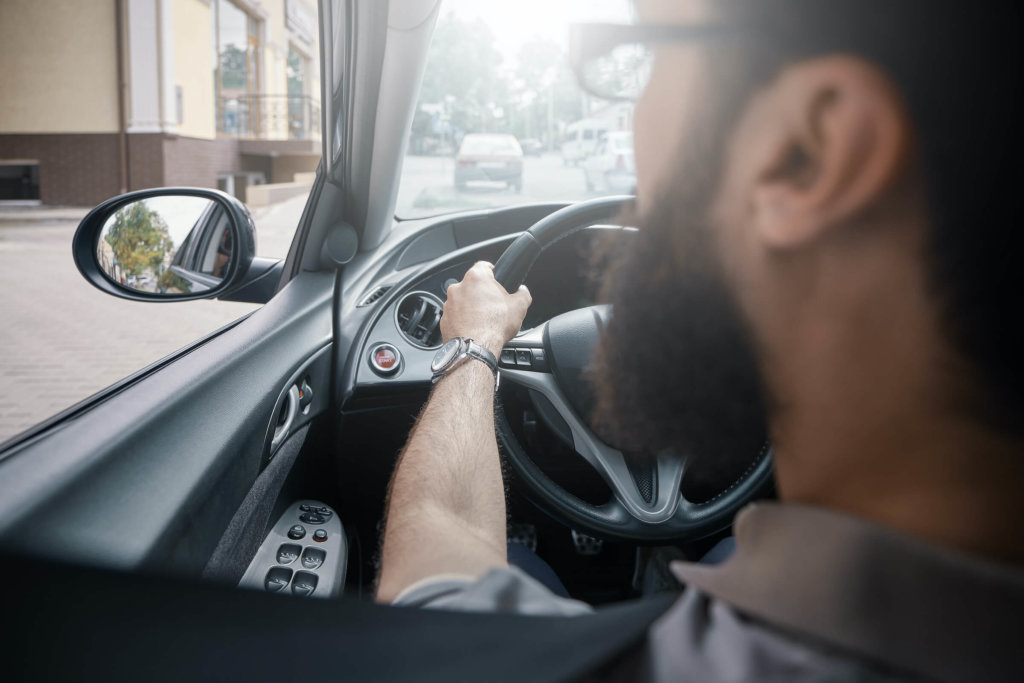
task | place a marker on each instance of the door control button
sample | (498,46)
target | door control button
(304,583)
(312,518)
(287,553)
(277,579)
(296,532)
(320,535)
(312,558)
(305,394)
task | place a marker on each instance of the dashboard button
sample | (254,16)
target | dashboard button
(385,359)
(508,357)
(524,357)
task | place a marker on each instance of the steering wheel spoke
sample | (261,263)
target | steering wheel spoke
(649,491)
(525,352)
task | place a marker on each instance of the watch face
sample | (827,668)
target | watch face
(445,355)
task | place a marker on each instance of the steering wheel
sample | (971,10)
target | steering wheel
(647,504)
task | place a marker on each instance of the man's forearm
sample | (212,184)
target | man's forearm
(446,508)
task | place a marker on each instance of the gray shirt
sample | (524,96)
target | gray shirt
(809,595)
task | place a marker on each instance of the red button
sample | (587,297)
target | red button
(385,359)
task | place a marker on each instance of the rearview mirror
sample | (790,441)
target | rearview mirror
(167,244)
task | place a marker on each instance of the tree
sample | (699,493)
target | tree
(543,74)
(139,239)
(465,72)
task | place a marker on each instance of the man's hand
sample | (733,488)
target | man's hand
(481,309)
(446,508)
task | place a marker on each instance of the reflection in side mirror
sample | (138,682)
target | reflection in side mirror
(166,245)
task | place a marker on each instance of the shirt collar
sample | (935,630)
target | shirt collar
(865,588)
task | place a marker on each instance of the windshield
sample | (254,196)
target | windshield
(500,118)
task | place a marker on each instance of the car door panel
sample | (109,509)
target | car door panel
(152,474)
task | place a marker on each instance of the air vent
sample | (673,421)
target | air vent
(418,317)
(373,296)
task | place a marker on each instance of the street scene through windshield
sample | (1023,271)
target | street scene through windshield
(501,119)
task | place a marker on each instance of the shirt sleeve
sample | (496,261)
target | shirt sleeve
(507,590)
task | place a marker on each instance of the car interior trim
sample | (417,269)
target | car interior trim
(92,465)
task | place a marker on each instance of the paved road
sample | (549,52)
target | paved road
(62,340)
(428,186)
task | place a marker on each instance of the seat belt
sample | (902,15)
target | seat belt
(68,623)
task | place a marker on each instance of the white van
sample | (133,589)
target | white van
(581,139)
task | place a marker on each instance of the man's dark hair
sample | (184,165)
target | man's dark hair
(957,65)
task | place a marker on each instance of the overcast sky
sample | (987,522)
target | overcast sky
(515,23)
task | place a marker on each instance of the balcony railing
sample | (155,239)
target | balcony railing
(269,117)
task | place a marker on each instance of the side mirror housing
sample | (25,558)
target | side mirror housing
(167,244)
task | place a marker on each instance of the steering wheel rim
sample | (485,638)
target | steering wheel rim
(647,504)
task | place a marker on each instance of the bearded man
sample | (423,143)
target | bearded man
(827,211)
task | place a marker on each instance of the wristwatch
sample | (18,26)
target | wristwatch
(455,351)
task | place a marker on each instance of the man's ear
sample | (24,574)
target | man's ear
(834,136)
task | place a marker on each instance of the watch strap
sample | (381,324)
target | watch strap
(480,352)
(469,349)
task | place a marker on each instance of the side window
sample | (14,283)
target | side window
(240,79)
(218,249)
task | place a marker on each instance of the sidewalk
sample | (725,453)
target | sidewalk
(61,339)
(20,215)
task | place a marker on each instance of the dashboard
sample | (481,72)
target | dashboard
(403,333)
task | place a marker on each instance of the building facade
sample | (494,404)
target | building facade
(98,97)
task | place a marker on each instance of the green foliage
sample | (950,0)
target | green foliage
(543,74)
(139,239)
(463,71)
(172,283)
(468,84)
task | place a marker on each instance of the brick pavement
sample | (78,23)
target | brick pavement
(62,340)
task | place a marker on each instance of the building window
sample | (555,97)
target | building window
(298,67)
(303,116)
(237,67)
(19,181)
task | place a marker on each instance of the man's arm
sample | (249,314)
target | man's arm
(446,501)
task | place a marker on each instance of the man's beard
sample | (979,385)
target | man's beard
(676,368)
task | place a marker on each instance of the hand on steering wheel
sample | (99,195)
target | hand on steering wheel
(479,308)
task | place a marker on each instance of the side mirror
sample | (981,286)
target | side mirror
(168,244)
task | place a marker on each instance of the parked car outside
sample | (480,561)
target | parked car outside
(611,167)
(532,146)
(490,157)
(581,139)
